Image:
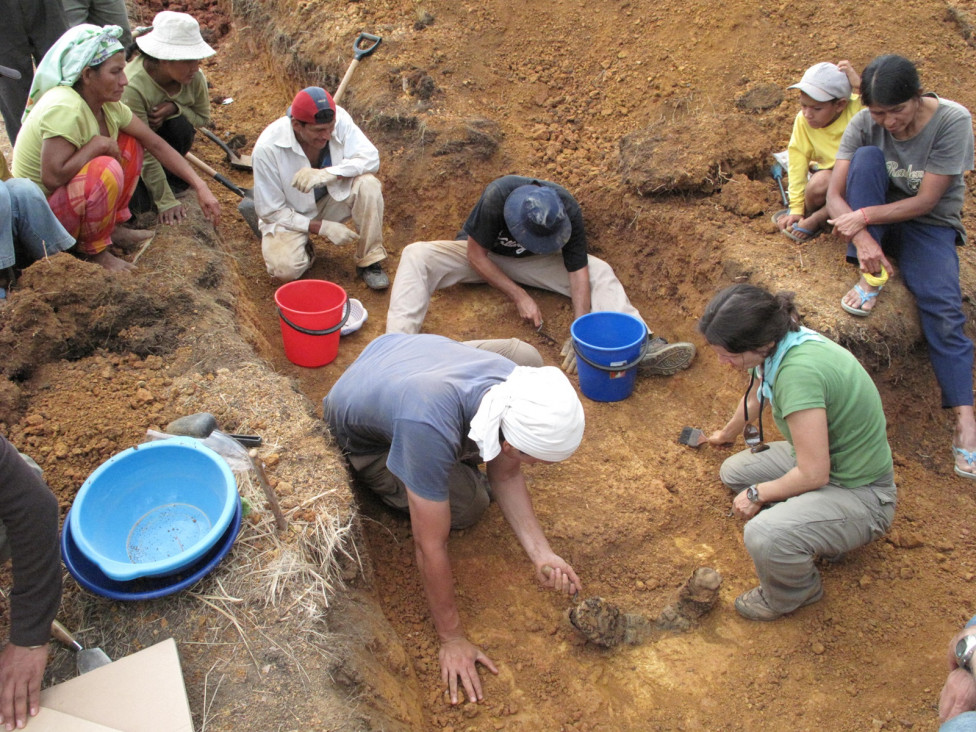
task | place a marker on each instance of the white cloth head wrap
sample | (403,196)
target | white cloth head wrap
(537,409)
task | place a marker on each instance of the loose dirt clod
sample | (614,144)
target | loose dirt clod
(604,624)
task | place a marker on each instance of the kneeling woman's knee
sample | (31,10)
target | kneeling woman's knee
(757,540)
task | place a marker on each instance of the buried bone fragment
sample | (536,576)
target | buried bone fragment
(602,622)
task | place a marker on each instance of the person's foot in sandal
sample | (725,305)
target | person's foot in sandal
(800,229)
(964,450)
(860,299)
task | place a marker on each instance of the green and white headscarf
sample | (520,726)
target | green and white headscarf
(82,46)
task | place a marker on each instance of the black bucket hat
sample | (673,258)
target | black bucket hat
(537,219)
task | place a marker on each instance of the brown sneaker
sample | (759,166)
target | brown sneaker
(752,605)
(666,359)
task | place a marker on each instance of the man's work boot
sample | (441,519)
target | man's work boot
(664,359)
(374,276)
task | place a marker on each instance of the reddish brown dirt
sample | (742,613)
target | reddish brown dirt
(560,83)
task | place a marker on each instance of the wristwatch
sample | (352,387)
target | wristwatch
(964,651)
(752,493)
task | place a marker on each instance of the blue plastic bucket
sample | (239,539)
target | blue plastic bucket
(608,348)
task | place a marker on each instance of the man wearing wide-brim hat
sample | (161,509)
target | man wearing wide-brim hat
(522,231)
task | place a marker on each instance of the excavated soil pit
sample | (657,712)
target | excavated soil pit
(457,95)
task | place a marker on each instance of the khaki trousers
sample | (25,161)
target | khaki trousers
(468,489)
(428,266)
(286,255)
(785,538)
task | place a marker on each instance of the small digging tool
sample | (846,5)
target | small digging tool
(777,172)
(88,659)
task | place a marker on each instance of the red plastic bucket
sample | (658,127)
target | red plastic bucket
(311,313)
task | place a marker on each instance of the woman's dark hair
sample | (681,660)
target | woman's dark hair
(747,318)
(889,80)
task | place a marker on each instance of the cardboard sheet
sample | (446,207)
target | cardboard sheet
(143,692)
(51,720)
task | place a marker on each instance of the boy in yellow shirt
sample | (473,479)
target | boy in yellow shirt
(828,100)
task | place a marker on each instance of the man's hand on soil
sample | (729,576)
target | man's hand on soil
(308,179)
(337,233)
(460,658)
(21,671)
(528,309)
(556,574)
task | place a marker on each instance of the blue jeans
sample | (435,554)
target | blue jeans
(28,228)
(929,264)
(965,722)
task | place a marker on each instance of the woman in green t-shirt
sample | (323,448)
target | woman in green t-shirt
(829,487)
(85,148)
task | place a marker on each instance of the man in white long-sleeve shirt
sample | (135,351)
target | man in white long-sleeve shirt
(313,170)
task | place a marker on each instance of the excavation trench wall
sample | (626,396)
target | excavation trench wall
(325,626)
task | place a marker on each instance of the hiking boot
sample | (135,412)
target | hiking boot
(374,276)
(664,359)
(752,605)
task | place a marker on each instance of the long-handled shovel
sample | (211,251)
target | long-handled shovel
(359,52)
(246,206)
(239,162)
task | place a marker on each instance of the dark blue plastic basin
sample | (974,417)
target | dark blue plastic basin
(89,576)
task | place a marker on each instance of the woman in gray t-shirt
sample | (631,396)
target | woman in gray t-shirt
(897,191)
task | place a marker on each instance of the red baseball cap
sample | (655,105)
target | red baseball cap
(313,105)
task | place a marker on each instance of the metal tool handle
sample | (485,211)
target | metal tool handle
(62,634)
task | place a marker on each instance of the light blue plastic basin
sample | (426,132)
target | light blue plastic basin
(153,509)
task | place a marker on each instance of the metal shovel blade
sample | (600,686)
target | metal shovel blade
(250,215)
(91,658)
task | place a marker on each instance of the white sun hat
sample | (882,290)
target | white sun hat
(174,37)
(357,316)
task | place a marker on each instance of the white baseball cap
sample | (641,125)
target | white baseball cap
(824,82)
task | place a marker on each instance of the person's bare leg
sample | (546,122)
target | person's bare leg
(110,262)
(128,238)
(964,436)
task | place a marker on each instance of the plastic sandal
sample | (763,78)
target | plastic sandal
(969,457)
(865,296)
